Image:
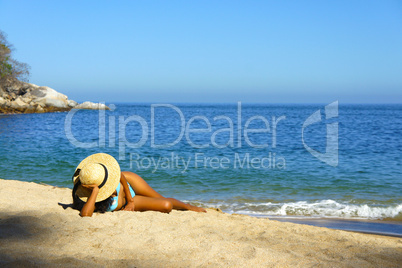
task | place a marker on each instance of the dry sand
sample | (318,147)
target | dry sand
(37,228)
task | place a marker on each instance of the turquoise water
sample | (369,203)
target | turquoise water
(211,155)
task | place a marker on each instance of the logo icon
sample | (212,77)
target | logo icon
(330,156)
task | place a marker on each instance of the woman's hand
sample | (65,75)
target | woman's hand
(90,186)
(130,206)
(130,202)
(89,206)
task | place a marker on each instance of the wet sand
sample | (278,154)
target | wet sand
(389,228)
(38,227)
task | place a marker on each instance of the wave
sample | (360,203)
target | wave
(323,208)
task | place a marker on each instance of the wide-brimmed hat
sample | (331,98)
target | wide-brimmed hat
(99,169)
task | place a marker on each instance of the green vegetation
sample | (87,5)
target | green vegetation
(9,67)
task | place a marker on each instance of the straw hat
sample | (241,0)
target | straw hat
(100,169)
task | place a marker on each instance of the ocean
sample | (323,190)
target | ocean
(336,161)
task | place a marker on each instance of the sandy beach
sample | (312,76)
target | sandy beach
(38,228)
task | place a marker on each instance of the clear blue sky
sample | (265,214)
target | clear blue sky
(211,51)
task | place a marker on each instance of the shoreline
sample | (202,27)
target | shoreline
(358,225)
(375,227)
(39,228)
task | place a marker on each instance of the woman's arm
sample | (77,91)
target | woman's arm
(129,199)
(89,207)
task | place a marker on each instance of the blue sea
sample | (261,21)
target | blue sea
(337,161)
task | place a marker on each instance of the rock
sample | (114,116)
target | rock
(21,97)
(48,97)
(72,103)
(92,106)
(39,109)
(26,100)
(18,104)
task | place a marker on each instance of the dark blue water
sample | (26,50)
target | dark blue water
(244,158)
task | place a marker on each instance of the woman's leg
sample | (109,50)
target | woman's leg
(142,188)
(184,206)
(144,203)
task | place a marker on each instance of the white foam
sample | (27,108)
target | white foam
(331,208)
(322,208)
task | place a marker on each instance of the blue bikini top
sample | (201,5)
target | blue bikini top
(115,199)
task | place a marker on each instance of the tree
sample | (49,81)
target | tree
(9,67)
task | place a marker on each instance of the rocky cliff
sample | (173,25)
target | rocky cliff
(21,97)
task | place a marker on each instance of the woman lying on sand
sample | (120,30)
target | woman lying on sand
(100,186)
